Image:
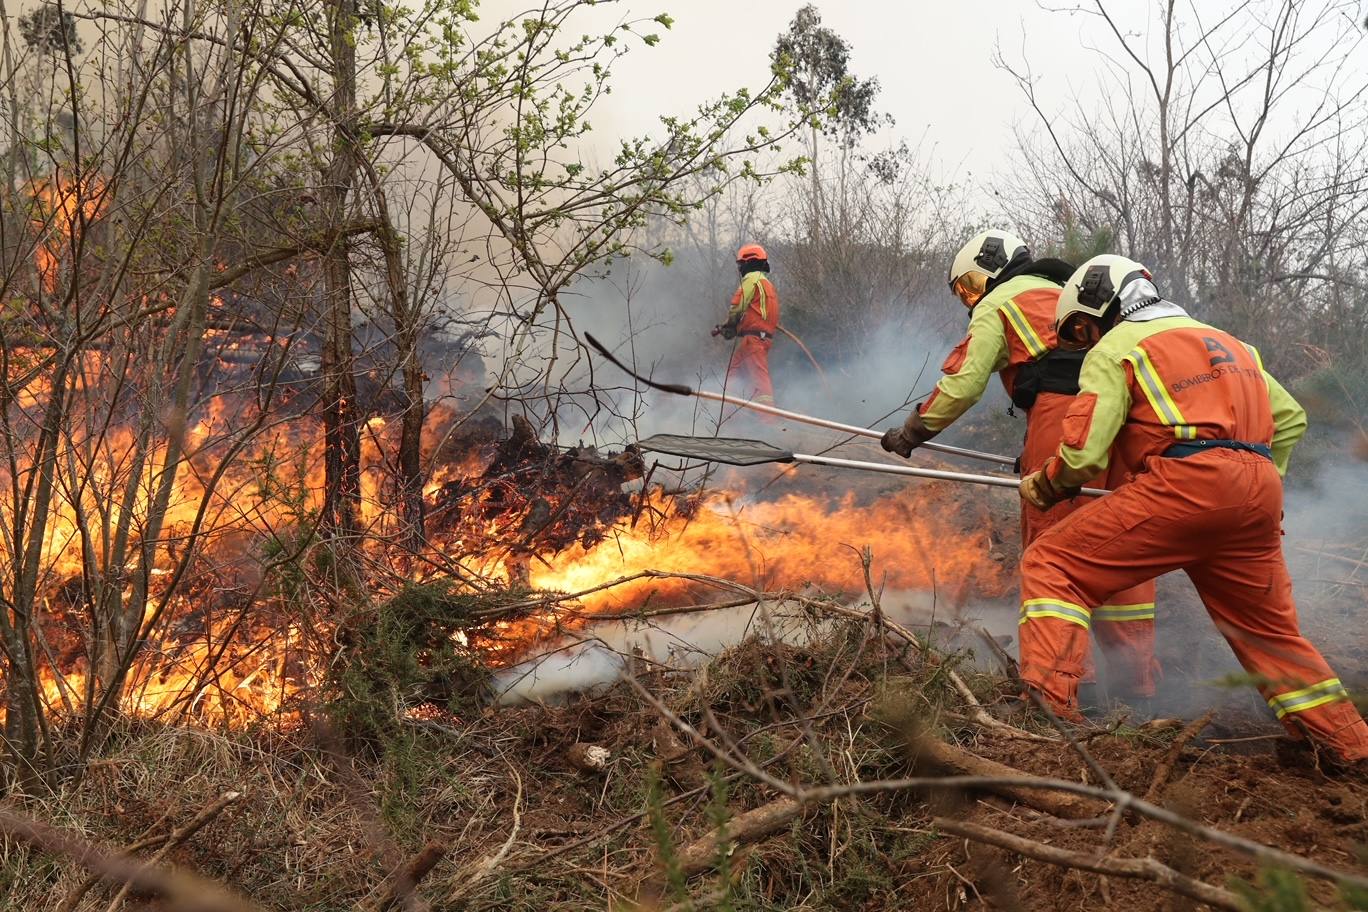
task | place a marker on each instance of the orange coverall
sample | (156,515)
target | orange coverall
(1210,510)
(756,305)
(1012,325)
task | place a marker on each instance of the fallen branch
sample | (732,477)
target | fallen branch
(1009,779)
(1263,854)
(179,891)
(1137,868)
(1165,767)
(751,826)
(961,762)
(145,840)
(403,880)
(178,836)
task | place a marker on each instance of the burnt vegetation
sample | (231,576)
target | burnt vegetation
(329,575)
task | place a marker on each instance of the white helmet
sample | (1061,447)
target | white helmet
(1089,293)
(983,258)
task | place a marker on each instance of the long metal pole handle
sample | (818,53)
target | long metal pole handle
(854,429)
(996,481)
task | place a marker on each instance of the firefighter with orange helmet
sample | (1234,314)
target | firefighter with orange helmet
(754,319)
(1012,299)
(1196,436)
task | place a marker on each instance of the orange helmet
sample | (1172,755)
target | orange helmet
(751,253)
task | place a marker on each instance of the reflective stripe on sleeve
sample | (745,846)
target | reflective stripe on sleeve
(1053,608)
(1158,396)
(1124,612)
(1024,330)
(1308,697)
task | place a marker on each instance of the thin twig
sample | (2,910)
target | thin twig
(1138,868)
(178,836)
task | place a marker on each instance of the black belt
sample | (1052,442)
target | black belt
(1192,447)
(760,333)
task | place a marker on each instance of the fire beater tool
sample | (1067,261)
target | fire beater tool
(743,452)
(680,389)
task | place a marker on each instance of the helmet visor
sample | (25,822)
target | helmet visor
(1078,332)
(970,287)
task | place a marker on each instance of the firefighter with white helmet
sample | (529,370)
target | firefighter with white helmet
(1012,298)
(994,269)
(1195,435)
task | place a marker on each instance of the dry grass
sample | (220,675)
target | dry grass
(526,829)
(317,830)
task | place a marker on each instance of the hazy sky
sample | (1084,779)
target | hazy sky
(932,59)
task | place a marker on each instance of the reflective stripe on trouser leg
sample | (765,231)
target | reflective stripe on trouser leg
(1144,612)
(1295,701)
(1055,608)
(1324,708)
(1054,647)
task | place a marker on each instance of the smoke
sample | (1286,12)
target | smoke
(1326,544)
(602,653)
(658,318)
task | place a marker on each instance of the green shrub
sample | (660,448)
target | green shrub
(408,651)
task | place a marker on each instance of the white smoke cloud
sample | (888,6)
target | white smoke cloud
(598,655)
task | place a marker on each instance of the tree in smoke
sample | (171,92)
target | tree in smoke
(1226,160)
(49,29)
(511,114)
(816,62)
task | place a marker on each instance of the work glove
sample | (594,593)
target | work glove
(1040,492)
(726,331)
(907,438)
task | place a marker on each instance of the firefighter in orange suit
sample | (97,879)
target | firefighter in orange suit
(1195,436)
(754,318)
(1012,299)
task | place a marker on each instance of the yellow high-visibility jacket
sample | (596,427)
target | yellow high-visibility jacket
(1010,325)
(1146,386)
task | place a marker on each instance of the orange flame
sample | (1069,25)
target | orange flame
(220,665)
(795,541)
(62,206)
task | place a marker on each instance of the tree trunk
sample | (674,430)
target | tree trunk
(814,228)
(406,332)
(341,421)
